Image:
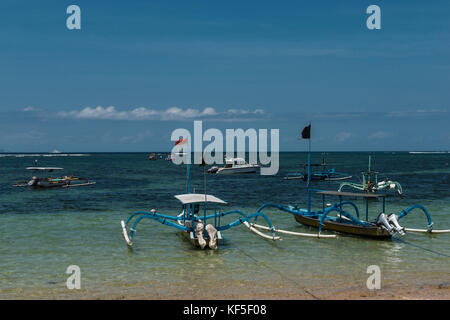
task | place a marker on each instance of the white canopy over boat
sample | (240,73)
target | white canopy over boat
(235,161)
(198,198)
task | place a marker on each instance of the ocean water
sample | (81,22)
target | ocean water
(45,231)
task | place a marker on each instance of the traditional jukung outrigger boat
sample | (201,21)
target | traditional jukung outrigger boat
(40,181)
(202,226)
(383,226)
(324,174)
(371,184)
(194,226)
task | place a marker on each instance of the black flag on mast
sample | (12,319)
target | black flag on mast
(306,133)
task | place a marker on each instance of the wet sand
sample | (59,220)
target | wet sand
(243,291)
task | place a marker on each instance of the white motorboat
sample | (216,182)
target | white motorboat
(235,165)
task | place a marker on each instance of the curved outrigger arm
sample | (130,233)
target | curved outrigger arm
(425,211)
(351,185)
(252,226)
(305,213)
(164,219)
(289,209)
(246,221)
(429,228)
(398,186)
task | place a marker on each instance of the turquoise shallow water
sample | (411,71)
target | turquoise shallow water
(43,232)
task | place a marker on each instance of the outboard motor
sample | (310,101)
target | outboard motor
(382,220)
(199,233)
(212,232)
(33,181)
(393,220)
(213,169)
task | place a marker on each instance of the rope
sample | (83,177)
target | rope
(424,249)
(277,271)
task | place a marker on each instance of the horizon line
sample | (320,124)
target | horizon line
(99,152)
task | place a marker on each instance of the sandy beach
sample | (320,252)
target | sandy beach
(242,291)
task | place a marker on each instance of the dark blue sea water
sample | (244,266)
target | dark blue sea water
(45,231)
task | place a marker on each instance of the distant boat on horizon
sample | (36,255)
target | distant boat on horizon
(428,152)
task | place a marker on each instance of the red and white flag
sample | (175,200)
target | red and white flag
(181,141)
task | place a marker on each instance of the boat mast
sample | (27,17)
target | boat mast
(188,170)
(309,173)
(306,134)
(190,207)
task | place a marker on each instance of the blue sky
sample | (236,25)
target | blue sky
(138,70)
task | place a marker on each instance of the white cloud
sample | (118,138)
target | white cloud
(209,111)
(30,109)
(142,113)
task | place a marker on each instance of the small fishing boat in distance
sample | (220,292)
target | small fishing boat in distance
(40,180)
(324,174)
(169,157)
(235,165)
(370,183)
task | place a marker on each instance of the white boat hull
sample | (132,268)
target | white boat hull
(246,169)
